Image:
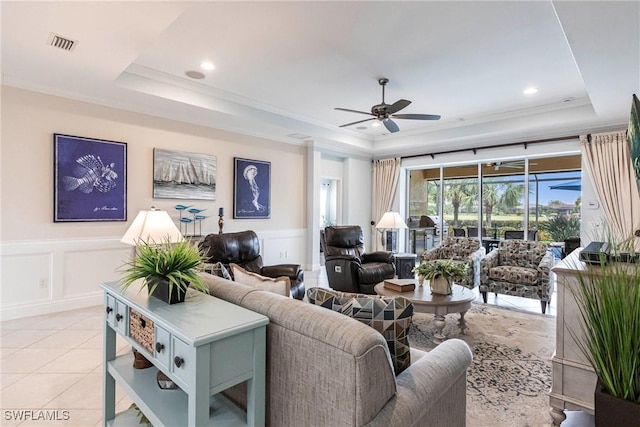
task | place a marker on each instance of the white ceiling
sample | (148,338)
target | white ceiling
(282,67)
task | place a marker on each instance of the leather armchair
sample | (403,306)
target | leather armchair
(243,248)
(349,268)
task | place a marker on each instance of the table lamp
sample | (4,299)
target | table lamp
(390,221)
(154,226)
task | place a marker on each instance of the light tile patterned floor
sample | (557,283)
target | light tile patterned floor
(54,362)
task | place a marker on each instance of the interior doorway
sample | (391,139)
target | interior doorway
(330,207)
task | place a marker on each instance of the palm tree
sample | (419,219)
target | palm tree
(500,195)
(463,193)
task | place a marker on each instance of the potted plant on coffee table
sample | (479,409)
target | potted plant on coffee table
(608,298)
(167,269)
(442,273)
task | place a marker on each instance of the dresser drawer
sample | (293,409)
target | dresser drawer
(162,348)
(183,362)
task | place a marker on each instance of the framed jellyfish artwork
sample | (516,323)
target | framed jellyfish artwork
(89,179)
(251,188)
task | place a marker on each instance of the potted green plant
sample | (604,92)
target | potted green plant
(608,298)
(167,269)
(441,274)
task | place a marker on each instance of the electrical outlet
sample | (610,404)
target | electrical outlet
(42,283)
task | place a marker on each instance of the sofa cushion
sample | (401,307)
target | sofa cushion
(279,285)
(389,316)
(513,274)
(217,269)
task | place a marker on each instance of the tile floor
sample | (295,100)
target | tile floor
(54,363)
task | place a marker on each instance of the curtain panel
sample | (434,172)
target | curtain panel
(608,158)
(385,179)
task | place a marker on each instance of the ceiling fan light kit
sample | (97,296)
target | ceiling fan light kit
(384,112)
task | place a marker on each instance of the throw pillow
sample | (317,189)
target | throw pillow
(389,316)
(280,285)
(217,269)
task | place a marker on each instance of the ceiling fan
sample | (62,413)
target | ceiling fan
(384,112)
(516,164)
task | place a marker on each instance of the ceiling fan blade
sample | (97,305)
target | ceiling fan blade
(397,106)
(355,123)
(417,116)
(353,111)
(390,125)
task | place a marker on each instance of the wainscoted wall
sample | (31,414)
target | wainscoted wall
(56,275)
(48,267)
(41,277)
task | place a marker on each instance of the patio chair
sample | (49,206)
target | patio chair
(459,232)
(519,235)
(473,232)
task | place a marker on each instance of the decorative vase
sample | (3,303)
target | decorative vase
(420,280)
(614,411)
(162,290)
(440,285)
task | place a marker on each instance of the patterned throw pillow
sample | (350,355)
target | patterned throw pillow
(217,269)
(389,316)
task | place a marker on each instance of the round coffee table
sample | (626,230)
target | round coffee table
(439,305)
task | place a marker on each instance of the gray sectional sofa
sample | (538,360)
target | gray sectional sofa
(326,369)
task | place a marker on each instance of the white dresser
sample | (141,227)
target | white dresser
(574,381)
(205,345)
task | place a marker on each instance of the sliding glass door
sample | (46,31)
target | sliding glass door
(531,199)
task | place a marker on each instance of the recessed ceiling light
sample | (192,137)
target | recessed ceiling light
(376,124)
(195,74)
(530,90)
(207,65)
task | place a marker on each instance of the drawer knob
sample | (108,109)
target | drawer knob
(109,309)
(178,361)
(159,347)
(118,317)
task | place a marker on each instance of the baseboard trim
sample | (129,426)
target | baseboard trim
(50,307)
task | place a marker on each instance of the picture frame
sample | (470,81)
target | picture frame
(251,188)
(184,175)
(89,179)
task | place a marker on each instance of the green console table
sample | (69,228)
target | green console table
(205,345)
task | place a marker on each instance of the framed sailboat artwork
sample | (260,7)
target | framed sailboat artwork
(182,175)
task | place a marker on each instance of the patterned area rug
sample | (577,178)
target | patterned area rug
(508,381)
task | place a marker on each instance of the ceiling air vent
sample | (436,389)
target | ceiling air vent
(60,42)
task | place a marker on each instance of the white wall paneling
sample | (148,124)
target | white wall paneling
(56,275)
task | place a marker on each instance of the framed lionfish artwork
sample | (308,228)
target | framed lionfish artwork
(89,179)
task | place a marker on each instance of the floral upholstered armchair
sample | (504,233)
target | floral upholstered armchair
(461,250)
(520,268)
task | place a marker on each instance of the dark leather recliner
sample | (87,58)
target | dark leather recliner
(243,248)
(349,268)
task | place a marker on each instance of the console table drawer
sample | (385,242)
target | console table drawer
(121,318)
(110,309)
(162,347)
(183,362)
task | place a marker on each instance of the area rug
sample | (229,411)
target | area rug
(508,381)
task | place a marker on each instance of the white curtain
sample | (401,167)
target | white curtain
(607,156)
(385,180)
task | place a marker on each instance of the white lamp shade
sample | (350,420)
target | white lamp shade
(391,220)
(152,226)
